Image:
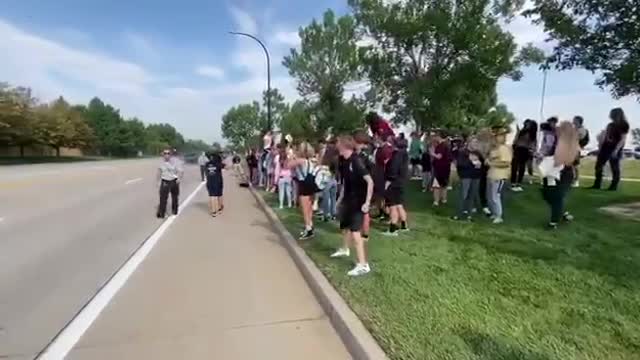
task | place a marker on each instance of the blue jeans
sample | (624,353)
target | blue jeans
(285,188)
(329,198)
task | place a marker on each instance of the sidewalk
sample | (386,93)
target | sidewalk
(221,288)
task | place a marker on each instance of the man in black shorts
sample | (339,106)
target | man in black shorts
(354,202)
(396,175)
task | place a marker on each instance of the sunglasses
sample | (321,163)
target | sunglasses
(166,153)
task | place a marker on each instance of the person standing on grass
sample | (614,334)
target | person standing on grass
(354,203)
(469,167)
(170,174)
(202,162)
(303,166)
(425,164)
(329,159)
(362,143)
(441,155)
(583,141)
(415,154)
(548,130)
(396,176)
(613,141)
(284,178)
(557,171)
(499,161)
(382,156)
(485,144)
(524,145)
(214,183)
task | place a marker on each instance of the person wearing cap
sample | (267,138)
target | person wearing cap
(169,176)
(396,175)
(499,162)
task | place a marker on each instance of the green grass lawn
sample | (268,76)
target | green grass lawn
(455,290)
(630,167)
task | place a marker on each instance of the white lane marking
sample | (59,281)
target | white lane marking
(609,178)
(69,336)
(132,181)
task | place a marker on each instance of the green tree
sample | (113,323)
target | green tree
(60,125)
(278,108)
(298,122)
(437,63)
(18,123)
(597,35)
(328,59)
(241,124)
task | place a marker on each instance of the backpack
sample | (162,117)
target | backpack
(315,176)
(584,139)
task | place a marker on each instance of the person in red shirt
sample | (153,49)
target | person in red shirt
(379,127)
(382,156)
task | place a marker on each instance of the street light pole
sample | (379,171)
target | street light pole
(266,53)
(544,92)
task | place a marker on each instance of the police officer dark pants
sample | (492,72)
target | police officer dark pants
(168,187)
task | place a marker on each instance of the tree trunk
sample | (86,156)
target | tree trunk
(57,151)
(21,151)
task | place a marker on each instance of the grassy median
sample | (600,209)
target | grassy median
(455,290)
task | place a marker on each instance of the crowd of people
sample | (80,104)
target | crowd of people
(353,178)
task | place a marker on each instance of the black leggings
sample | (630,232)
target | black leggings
(604,156)
(521,157)
(555,196)
(482,191)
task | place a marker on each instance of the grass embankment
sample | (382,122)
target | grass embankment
(456,290)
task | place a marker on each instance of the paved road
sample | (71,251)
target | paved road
(64,229)
(222,288)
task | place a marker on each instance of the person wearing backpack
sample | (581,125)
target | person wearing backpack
(304,166)
(583,141)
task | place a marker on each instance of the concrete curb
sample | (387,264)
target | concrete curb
(354,335)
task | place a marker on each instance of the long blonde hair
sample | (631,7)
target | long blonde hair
(567,146)
(306,151)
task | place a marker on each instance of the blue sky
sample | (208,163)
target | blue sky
(170,61)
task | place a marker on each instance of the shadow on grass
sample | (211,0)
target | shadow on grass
(486,347)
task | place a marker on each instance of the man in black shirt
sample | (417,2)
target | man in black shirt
(354,202)
(396,175)
(362,144)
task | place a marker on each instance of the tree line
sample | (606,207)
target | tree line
(96,128)
(436,63)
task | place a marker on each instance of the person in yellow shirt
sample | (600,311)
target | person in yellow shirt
(499,162)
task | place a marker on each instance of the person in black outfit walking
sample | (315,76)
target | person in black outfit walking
(524,146)
(611,145)
(169,177)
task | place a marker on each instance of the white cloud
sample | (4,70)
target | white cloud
(288,38)
(210,71)
(243,20)
(140,45)
(53,68)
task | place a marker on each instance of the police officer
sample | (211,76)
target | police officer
(170,174)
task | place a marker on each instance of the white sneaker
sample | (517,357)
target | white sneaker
(486,211)
(517,189)
(576,184)
(341,253)
(360,269)
(436,204)
(498,220)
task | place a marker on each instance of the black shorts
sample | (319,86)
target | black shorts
(307,187)
(351,218)
(214,189)
(416,161)
(394,196)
